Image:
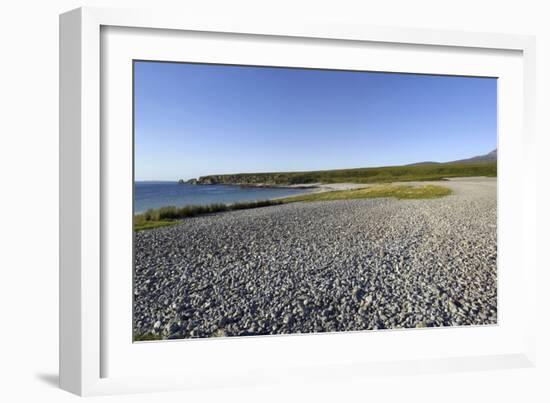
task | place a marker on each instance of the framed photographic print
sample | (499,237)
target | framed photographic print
(238,197)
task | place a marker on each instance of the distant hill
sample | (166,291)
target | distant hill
(489,157)
(492,156)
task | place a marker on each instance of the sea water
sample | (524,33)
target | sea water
(159,194)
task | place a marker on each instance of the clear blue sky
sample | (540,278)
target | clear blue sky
(193,120)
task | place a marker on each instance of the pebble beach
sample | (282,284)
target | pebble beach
(347,265)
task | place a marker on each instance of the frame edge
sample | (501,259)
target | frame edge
(70,120)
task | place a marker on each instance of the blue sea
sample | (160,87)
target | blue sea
(159,194)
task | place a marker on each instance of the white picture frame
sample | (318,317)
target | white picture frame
(87,346)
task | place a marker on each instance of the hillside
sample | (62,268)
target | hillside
(489,157)
(420,172)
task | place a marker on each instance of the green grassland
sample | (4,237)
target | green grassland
(405,173)
(383,190)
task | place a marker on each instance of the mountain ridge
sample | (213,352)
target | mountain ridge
(489,157)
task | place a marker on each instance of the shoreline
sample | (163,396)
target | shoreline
(314,187)
(212,194)
(168,215)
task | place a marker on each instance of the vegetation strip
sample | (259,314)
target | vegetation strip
(397,191)
(165,216)
(404,173)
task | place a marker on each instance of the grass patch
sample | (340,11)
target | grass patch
(142,225)
(397,191)
(147,337)
(404,173)
(164,216)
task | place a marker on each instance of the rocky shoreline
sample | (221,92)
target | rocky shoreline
(322,267)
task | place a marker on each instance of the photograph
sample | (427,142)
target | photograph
(275,200)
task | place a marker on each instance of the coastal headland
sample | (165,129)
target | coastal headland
(428,171)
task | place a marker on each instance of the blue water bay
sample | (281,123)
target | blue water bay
(159,194)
